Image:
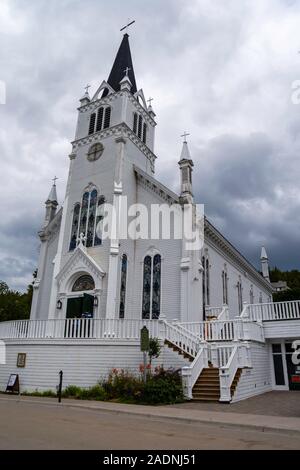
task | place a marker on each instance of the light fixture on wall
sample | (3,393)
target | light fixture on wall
(95,301)
(59,305)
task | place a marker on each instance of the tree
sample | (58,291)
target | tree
(154,349)
(13,304)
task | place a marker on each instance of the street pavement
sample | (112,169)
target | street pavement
(35,423)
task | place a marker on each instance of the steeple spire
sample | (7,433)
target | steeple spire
(51,204)
(264,264)
(123,61)
(186,168)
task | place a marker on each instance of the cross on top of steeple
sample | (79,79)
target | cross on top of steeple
(54,180)
(184,135)
(127,26)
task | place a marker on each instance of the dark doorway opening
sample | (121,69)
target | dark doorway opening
(78,308)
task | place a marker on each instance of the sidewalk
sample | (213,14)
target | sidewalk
(260,423)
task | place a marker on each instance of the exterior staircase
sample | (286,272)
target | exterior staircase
(207,386)
(177,348)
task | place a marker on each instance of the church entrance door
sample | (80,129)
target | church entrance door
(79,307)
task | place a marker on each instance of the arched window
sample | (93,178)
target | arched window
(225,286)
(107,118)
(145,133)
(84,213)
(99,119)
(139,133)
(92,123)
(85,282)
(99,218)
(251,295)
(151,287)
(260,298)
(92,218)
(135,121)
(86,217)
(240,295)
(75,224)
(123,286)
(207,282)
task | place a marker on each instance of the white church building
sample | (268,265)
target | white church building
(210,308)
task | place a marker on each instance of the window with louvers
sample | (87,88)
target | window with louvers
(145,133)
(140,127)
(135,120)
(107,118)
(92,123)
(99,120)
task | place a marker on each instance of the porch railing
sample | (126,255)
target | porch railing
(77,328)
(272,311)
(215,330)
(239,358)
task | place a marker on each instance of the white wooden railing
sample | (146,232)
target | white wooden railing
(272,311)
(191,373)
(218,313)
(215,330)
(239,358)
(180,337)
(77,328)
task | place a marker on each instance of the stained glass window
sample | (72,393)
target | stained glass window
(86,217)
(147,287)
(75,223)
(156,286)
(123,286)
(83,283)
(84,213)
(99,218)
(91,219)
(151,287)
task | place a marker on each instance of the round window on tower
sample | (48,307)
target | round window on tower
(95,152)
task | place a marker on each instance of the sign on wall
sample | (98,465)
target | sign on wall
(21,360)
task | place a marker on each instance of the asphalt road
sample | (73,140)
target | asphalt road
(40,426)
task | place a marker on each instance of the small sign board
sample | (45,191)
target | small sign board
(295,379)
(144,339)
(21,360)
(13,385)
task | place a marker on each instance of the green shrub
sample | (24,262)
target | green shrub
(123,385)
(165,387)
(36,393)
(154,349)
(93,393)
(71,391)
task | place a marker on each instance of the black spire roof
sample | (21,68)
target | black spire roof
(122,61)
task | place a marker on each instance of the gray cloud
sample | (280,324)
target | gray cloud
(222,70)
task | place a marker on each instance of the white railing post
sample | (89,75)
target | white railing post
(162,327)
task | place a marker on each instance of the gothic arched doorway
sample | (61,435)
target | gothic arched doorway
(81,301)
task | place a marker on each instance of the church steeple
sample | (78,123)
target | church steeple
(186,168)
(123,62)
(265,264)
(51,204)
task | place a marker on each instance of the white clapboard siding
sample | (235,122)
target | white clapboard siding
(257,379)
(83,363)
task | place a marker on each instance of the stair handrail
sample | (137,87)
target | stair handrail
(239,358)
(191,373)
(186,331)
(187,342)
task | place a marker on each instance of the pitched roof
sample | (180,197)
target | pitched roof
(122,61)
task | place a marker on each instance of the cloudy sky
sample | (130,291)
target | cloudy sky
(223,70)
